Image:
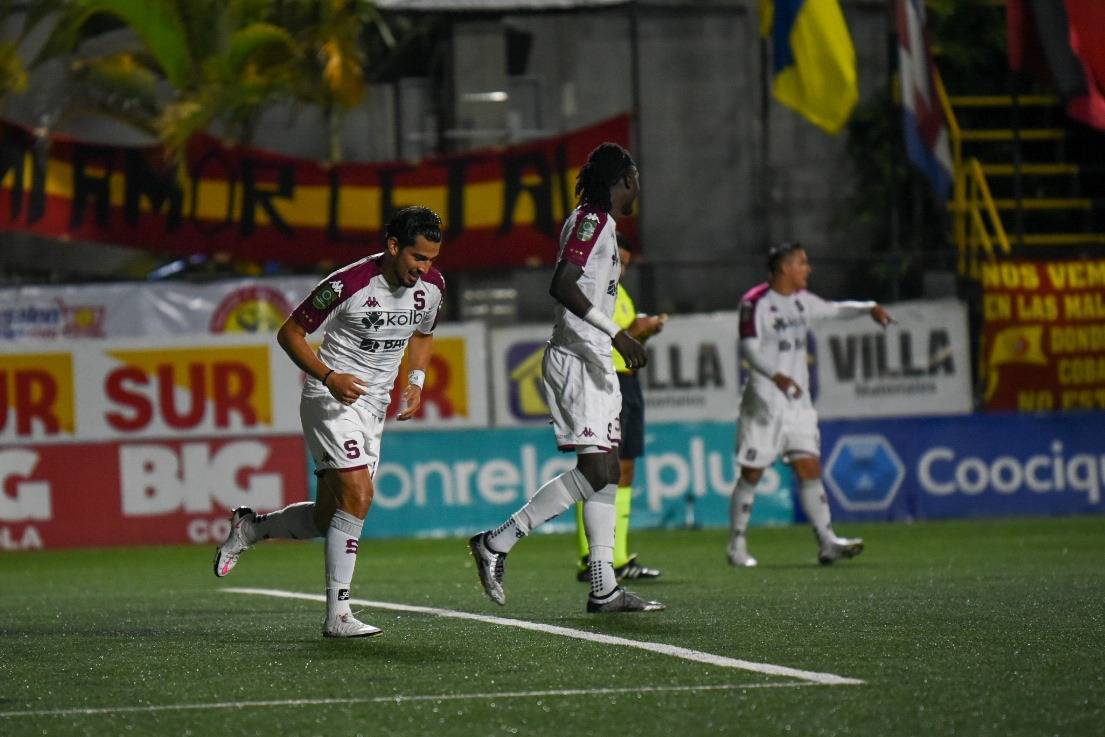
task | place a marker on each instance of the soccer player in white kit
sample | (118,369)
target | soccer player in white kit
(374,310)
(776,413)
(581,387)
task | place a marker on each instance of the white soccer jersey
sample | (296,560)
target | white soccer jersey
(588,241)
(369,324)
(775,327)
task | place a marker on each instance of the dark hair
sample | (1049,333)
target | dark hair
(779,253)
(410,222)
(608,163)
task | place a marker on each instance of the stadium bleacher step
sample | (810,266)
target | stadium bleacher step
(1008,134)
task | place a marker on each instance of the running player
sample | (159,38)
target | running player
(777,414)
(373,308)
(580,385)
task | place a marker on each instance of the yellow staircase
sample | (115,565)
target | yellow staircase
(1023,219)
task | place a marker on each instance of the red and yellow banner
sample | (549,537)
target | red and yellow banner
(1044,335)
(501,207)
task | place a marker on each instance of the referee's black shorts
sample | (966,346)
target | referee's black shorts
(632,417)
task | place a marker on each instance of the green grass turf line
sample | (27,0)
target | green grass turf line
(979,628)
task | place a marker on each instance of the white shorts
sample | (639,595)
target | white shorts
(584,401)
(340,436)
(764,436)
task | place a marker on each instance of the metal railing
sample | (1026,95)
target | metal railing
(977,228)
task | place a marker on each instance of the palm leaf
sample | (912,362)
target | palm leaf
(155,22)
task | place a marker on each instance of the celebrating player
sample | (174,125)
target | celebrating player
(580,385)
(375,307)
(776,414)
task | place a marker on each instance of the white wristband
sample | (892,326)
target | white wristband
(601,321)
(417,378)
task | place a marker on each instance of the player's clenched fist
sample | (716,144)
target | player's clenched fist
(346,388)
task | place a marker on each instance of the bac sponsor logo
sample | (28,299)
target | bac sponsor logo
(523,366)
(188,388)
(250,310)
(161,479)
(864,473)
(944,471)
(36,395)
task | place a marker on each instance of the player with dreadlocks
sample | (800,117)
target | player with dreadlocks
(581,387)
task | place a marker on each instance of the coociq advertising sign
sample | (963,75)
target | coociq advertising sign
(970,466)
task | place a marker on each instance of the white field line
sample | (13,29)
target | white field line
(825,679)
(398,699)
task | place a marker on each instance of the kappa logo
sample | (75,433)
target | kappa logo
(371,302)
(373,320)
(587,433)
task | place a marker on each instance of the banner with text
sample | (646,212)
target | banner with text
(1043,339)
(468,481)
(138,309)
(501,207)
(967,466)
(201,385)
(918,365)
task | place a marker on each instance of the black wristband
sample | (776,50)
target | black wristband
(324,378)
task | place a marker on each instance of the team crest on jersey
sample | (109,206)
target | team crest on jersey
(587,227)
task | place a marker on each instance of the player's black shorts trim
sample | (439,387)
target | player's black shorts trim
(632,417)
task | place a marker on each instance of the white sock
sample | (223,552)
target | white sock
(295,522)
(812,495)
(599,515)
(342,539)
(550,500)
(740,508)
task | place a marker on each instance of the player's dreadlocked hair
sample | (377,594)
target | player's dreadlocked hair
(608,163)
(778,254)
(410,222)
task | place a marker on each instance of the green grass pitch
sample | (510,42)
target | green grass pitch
(965,628)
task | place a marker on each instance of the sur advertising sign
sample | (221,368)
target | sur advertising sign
(501,207)
(1043,341)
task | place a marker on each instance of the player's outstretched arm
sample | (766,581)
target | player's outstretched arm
(292,337)
(418,359)
(565,290)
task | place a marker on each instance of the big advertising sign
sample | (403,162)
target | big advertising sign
(1043,342)
(500,207)
(455,483)
(971,466)
(119,442)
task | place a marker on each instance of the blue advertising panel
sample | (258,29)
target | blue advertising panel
(455,482)
(966,466)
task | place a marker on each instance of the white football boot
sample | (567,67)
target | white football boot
(738,554)
(346,625)
(227,554)
(491,566)
(836,548)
